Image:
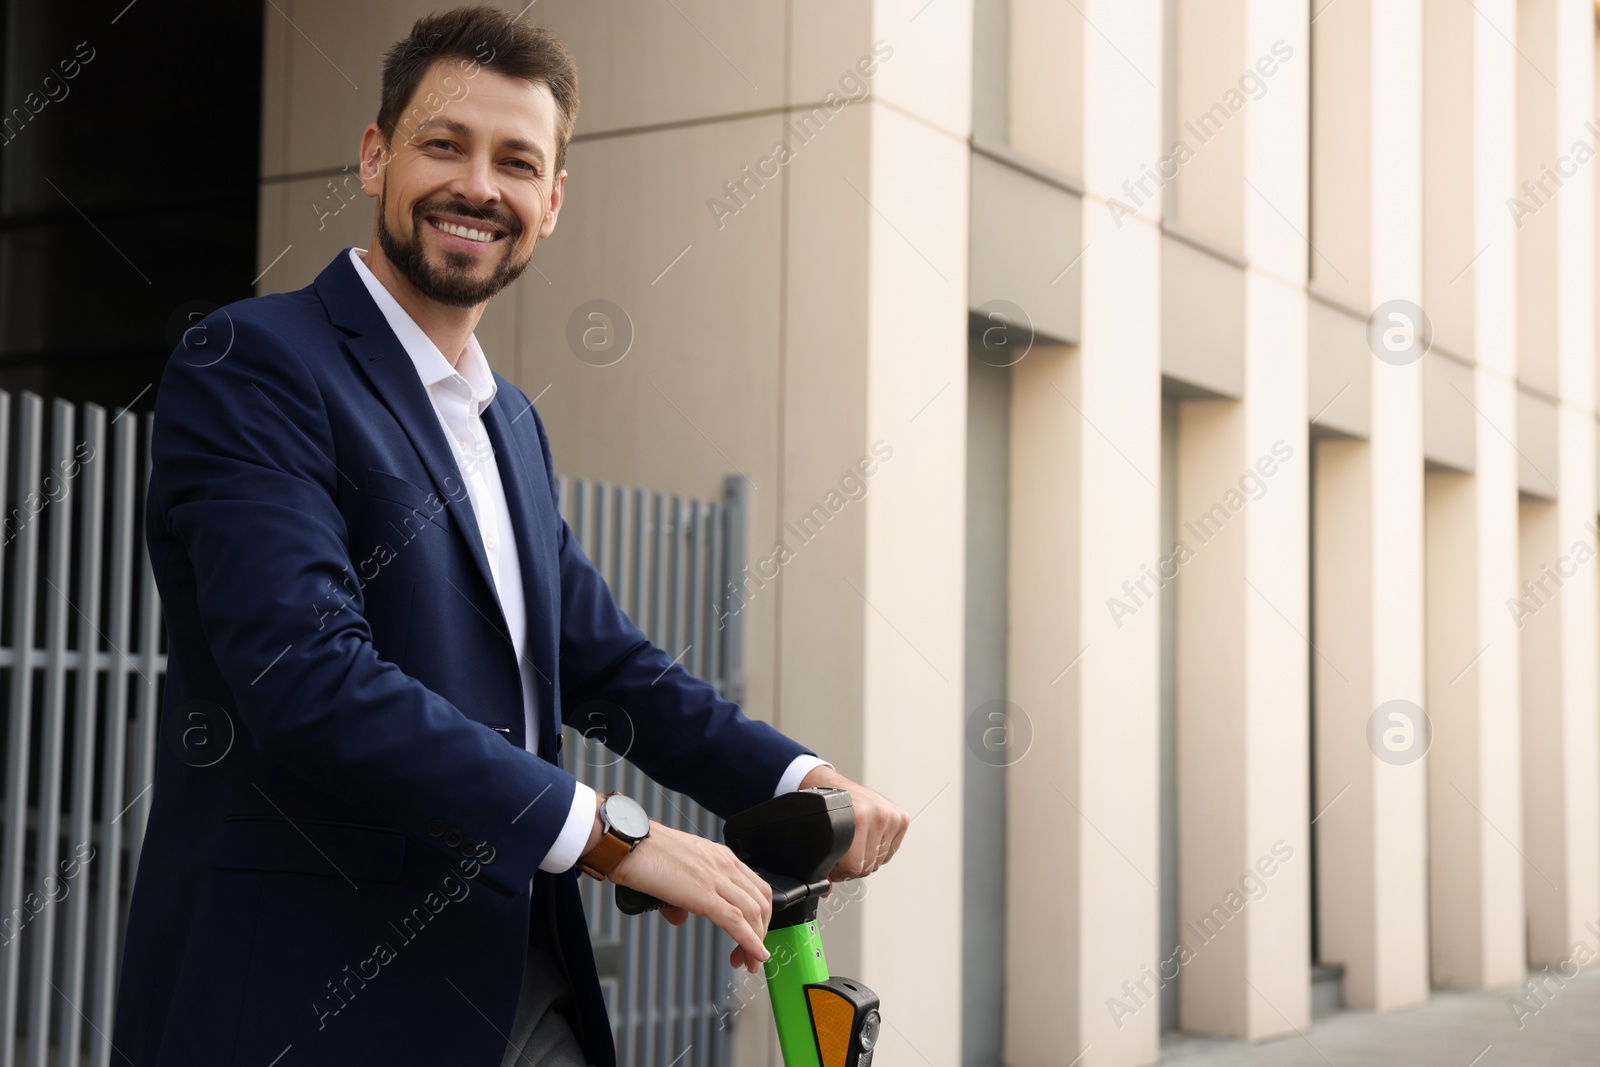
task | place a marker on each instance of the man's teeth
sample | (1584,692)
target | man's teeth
(463,231)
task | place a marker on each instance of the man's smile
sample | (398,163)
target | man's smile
(460,233)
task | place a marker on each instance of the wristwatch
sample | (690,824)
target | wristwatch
(623,824)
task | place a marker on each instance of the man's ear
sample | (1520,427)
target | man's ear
(557,193)
(374,157)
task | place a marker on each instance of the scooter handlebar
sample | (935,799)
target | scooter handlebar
(786,893)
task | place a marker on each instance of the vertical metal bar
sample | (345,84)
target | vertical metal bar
(735,497)
(628,977)
(632,983)
(716,599)
(657,614)
(621,928)
(683,968)
(602,530)
(619,501)
(580,508)
(85,725)
(113,763)
(637,549)
(675,639)
(591,518)
(694,596)
(611,926)
(572,506)
(662,963)
(8,986)
(606,780)
(145,706)
(728,653)
(701,587)
(631,518)
(19,732)
(657,609)
(52,731)
(712,1033)
(5,482)
(593,496)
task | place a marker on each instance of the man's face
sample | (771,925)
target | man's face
(465,188)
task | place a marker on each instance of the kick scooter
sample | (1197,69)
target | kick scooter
(792,842)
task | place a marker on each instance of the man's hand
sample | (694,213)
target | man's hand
(695,875)
(880,824)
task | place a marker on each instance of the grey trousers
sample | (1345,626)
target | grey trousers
(540,1035)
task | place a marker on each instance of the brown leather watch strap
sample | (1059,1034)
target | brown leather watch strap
(601,860)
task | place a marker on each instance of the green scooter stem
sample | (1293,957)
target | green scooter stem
(796,960)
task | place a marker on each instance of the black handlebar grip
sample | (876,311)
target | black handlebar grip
(633,902)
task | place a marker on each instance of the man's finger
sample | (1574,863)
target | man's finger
(734,919)
(888,844)
(740,958)
(879,846)
(761,891)
(899,835)
(749,906)
(754,951)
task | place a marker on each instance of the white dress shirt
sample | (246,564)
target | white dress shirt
(459,395)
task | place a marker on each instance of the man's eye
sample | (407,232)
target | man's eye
(439,144)
(523,164)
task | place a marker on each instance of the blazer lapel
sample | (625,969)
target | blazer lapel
(528,498)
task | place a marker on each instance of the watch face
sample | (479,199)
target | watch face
(627,817)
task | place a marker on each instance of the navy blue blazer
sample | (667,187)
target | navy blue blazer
(345,821)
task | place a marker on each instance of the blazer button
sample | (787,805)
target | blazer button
(469,847)
(486,854)
(435,828)
(452,837)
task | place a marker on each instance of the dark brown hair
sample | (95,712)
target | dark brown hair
(485,37)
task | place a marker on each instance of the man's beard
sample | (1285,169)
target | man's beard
(454,285)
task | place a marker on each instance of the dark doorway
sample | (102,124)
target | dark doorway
(129,165)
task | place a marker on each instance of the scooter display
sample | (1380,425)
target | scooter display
(792,842)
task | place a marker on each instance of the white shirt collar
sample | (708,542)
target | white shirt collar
(471,370)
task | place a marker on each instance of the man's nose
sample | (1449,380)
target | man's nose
(476,183)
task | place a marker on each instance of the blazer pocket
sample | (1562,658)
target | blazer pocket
(423,502)
(309,846)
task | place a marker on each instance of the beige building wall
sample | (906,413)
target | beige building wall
(1477,922)
(1369,577)
(1082,897)
(1555,372)
(1242,477)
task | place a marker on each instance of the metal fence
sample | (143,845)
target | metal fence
(667,561)
(82,661)
(80,665)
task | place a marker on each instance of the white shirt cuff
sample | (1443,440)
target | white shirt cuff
(796,772)
(574,834)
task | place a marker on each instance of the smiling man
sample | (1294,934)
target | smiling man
(362,845)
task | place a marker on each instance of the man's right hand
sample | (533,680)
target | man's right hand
(693,874)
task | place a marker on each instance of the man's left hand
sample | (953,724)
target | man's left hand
(880,824)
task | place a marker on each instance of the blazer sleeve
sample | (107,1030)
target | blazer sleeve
(621,689)
(244,477)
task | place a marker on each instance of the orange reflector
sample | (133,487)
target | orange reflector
(832,1017)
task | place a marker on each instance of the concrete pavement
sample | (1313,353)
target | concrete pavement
(1451,1030)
